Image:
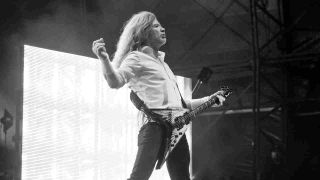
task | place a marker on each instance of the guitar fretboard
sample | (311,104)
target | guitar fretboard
(189,116)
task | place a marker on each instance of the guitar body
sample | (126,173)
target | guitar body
(172,136)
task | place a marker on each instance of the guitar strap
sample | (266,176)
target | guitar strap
(166,128)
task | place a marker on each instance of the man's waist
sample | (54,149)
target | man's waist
(164,113)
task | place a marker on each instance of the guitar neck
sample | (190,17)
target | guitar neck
(201,108)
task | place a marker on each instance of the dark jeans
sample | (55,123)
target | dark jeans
(149,141)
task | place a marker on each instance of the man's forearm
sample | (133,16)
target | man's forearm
(111,75)
(194,103)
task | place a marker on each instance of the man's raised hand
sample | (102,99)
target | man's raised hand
(99,49)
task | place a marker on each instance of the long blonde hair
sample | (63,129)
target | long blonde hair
(134,35)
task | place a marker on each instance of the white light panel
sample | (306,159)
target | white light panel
(74,126)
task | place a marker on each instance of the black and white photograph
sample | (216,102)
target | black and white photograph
(159,89)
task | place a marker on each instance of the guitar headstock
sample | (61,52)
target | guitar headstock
(226,91)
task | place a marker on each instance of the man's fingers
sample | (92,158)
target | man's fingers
(96,47)
(99,48)
(221,99)
(99,41)
(218,93)
(99,44)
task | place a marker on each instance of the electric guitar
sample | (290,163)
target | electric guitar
(176,124)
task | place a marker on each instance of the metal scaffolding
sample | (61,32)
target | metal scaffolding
(262,62)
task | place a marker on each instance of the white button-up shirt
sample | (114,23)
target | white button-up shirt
(151,79)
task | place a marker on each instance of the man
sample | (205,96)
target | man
(139,63)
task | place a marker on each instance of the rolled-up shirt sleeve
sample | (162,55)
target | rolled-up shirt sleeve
(129,67)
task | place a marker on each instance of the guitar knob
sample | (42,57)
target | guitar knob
(180,133)
(171,145)
(176,136)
